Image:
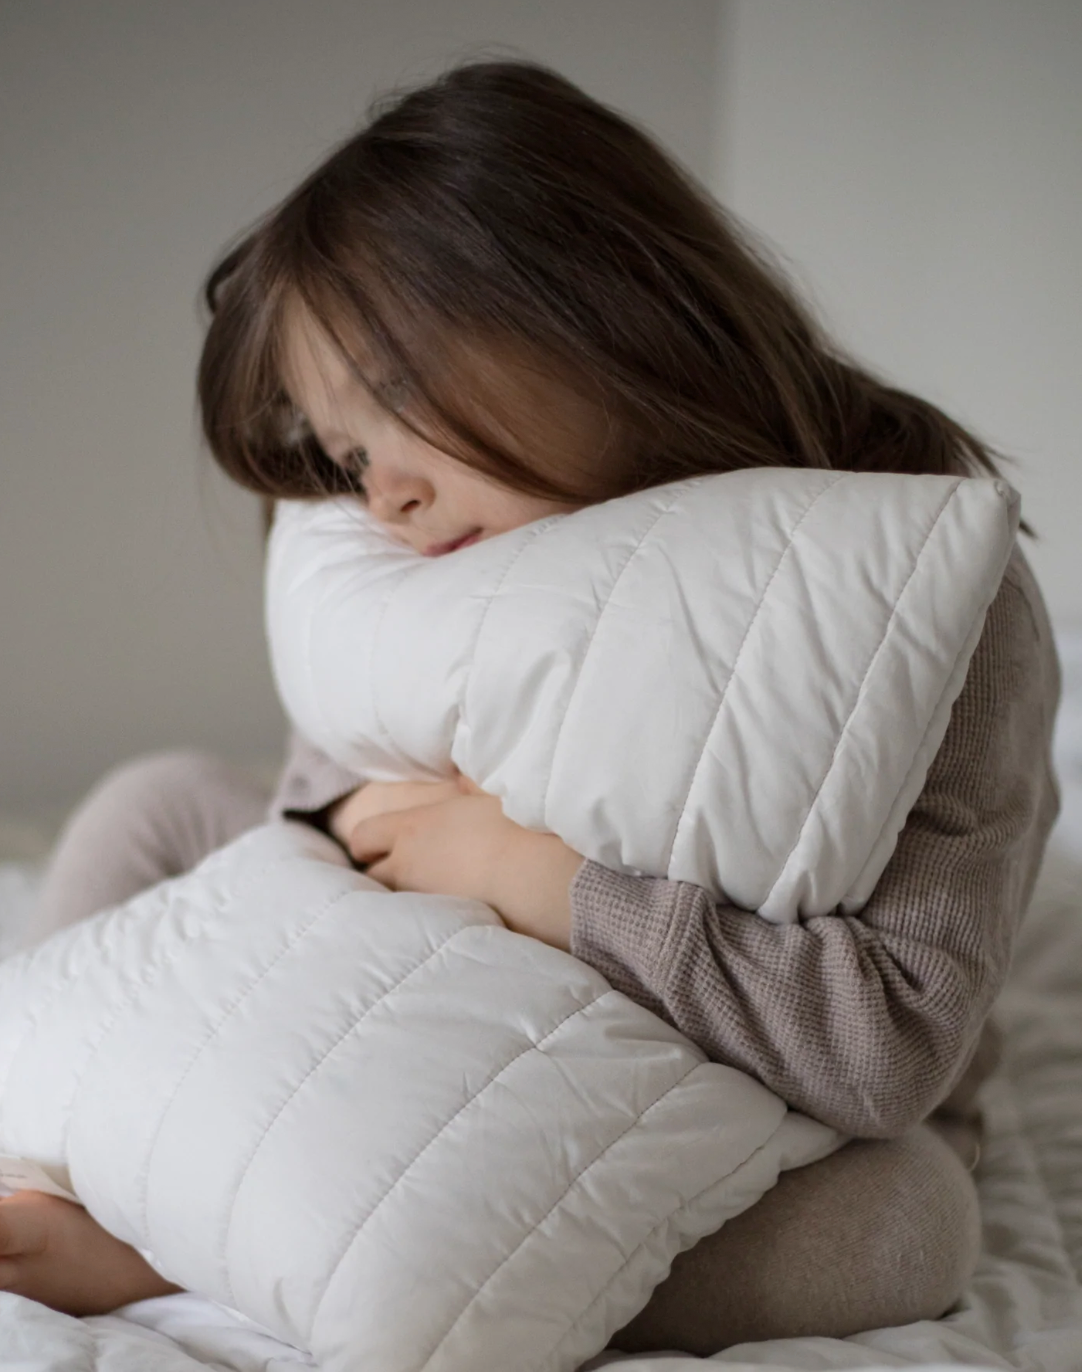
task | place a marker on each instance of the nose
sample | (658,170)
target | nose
(394,495)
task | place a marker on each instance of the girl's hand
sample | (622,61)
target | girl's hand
(466,846)
(381,797)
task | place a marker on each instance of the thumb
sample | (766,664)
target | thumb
(373,837)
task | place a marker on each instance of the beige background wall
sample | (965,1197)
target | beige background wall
(920,163)
(917,162)
(135,139)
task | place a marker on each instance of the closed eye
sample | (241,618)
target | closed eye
(354,464)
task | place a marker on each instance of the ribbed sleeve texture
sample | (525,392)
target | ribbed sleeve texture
(868,1021)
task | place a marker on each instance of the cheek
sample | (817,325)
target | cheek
(504,510)
(476,501)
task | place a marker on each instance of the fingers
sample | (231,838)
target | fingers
(382,872)
(379,845)
(383,797)
(379,861)
(344,814)
(432,792)
(374,837)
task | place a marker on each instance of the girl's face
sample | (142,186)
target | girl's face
(423,497)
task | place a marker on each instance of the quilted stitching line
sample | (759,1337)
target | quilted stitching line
(843,734)
(133,987)
(682,489)
(50,994)
(373,654)
(315,1067)
(32,1019)
(214,1031)
(555,1205)
(528,1048)
(540,529)
(841,476)
(555,1348)
(310,671)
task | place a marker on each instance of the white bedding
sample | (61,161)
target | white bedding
(1024,1308)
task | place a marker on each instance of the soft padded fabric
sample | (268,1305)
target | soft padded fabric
(382,1125)
(736,680)
(1021,1313)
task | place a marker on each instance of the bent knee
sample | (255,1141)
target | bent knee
(915,1225)
(880,1233)
(170,772)
(148,819)
(177,805)
(943,1221)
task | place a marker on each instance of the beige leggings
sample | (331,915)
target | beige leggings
(880,1233)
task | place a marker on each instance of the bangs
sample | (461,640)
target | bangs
(461,397)
(249,421)
(455,380)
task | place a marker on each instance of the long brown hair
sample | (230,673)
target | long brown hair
(500,211)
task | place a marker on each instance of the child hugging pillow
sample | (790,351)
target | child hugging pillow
(380,1123)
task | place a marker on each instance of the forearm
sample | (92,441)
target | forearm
(855,1028)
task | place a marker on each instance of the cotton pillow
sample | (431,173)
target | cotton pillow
(737,680)
(381,1125)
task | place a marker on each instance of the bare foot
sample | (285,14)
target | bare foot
(53,1252)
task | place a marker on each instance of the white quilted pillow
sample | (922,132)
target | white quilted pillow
(736,680)
(379,1124)
(382,1125)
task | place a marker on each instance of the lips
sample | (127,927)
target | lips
(438,549)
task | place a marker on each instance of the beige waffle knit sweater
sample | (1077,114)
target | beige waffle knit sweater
(869,1022)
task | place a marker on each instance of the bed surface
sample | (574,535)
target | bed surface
(1024,1307)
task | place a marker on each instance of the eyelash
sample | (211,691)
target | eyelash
(354,463)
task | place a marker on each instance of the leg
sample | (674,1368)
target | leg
(151,818)
(881,1233)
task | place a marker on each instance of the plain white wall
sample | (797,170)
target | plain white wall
(135,140)
(919,162)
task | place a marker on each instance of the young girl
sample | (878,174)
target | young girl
(498,301)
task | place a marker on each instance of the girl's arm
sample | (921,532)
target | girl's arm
(866,1021)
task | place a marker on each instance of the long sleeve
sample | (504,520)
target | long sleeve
(309,784)
(866,1022)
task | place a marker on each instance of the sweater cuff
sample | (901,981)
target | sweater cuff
(628,929)
(310,784)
